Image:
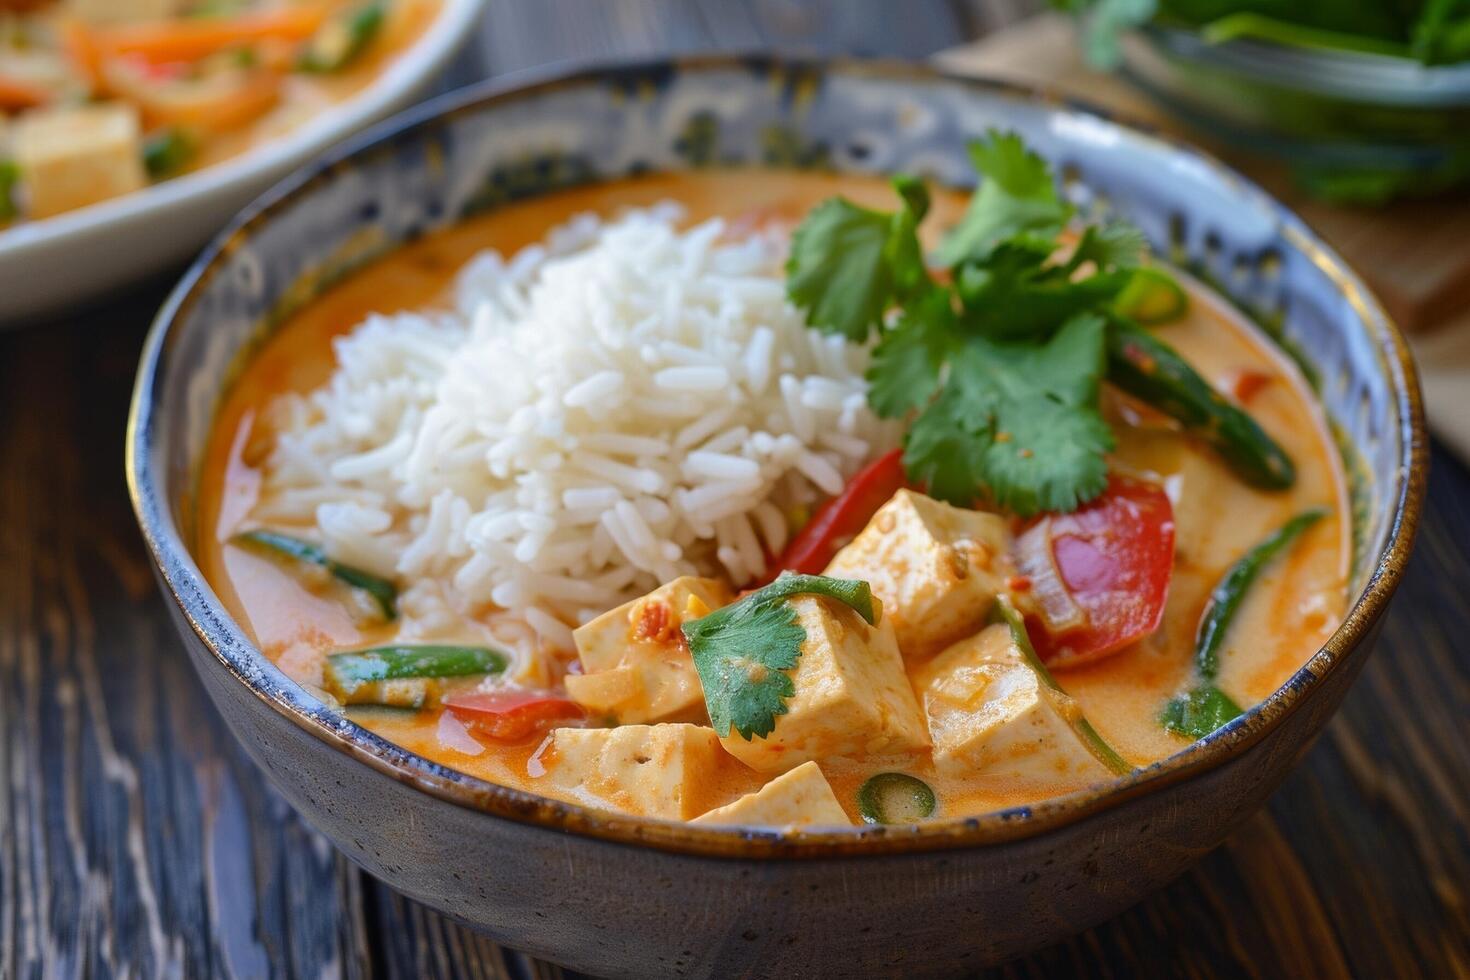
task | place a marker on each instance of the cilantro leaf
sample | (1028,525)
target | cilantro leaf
(1006,299)
(849,264)
(906,364)
(1018,422)
(1016,202)
(742,651)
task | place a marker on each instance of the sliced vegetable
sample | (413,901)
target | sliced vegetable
(1226,598)
(511,715)
(9,177)
(167,152)
(742,651)
(1152,296)
(342,39)
(1199,712)
(1005,612)
(20,93)
(383,592)
(192,39)
(1149,369)
(1114,558)
(403,675)
(1205,708)
(895,797)
(840,519)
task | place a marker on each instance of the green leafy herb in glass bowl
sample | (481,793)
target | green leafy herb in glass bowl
(1367,100)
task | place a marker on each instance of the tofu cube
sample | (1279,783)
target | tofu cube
(797,798)
(937,568)
(852,695)
(636,665)
(73,156)
(122,11)
(662,771)
(991,715)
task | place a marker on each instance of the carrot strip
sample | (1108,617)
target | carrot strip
(190,40)
(18,93)
(217,112)
(80,46)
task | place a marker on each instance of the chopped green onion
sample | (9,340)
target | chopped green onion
(895,797)
(383,592)
(167,152)
(342,39)
(404,676)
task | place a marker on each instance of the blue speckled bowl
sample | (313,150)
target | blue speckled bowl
(616,895)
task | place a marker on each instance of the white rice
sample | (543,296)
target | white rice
(624,404)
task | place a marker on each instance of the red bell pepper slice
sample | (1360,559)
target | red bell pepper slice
(511,715)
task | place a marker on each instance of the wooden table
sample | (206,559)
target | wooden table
(136,840)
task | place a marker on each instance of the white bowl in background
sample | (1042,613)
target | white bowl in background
(55,263)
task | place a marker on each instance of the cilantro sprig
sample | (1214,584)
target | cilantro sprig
(743,651)
(999,366)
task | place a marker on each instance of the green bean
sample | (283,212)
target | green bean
(404,676)
(1151,370)
(1006,613)
(895,797)
(1226,597)
(383,592)
(1205,708)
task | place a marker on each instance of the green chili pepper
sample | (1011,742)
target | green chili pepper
(1151,296)
(1200,711)
(342,39)
(404,676)
(895,797)
(383,592)
(1149,369)
(1006,613)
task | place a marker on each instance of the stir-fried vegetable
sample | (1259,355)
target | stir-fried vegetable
(842,517)
(167,152)
(1149,369)
(20,93)
(742,651)
(195,38)
(9,175)
(511,715)
(402,675)
(1205,708)
(1006,613)
(383,592)
(895,797)
(342,39)
(1101,573)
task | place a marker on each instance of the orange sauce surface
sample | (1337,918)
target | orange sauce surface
(1292,609)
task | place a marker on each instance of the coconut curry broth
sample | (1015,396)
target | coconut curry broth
(1291,610)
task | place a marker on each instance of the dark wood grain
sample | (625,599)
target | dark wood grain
(135,840)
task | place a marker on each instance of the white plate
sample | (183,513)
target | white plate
(48,265)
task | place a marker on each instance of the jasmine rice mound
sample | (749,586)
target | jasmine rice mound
(623,404)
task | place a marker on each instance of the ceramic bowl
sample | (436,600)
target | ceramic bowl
(56,263)
(620,896)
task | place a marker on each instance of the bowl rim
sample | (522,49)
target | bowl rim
(404,74)
(205,615)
